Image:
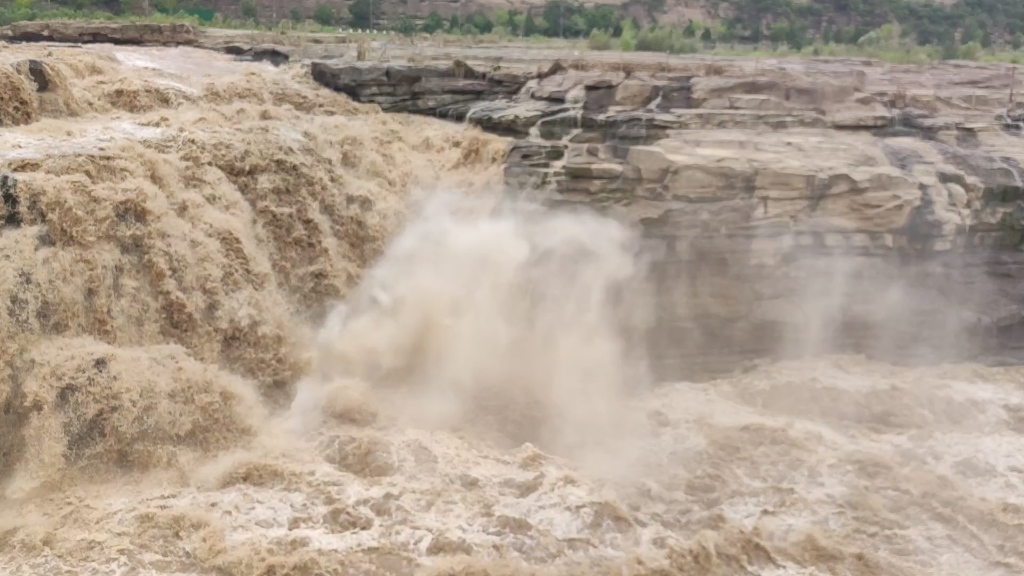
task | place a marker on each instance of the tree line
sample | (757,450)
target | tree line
(793,22)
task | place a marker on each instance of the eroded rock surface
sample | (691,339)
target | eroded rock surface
(141,33)
(787,215)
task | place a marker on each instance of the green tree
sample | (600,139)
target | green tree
(433,23)
(502,18)
(454,24)
(324,15)
(359,11)
(542,25)
(405,26)
(296,14)
(518,23)
(627,41)
(559,15)
(971,32)
(127,6)
(248,9)
(480,22)
(705,36)
(600,18)
(530,25)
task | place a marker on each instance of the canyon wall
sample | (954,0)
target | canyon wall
(787,213)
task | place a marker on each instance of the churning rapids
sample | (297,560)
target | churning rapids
(244,334)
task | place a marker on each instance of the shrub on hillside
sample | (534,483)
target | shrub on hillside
(969,51)
(599,40)
(656,39)
(627,40)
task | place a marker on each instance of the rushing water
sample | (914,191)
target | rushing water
(231,347)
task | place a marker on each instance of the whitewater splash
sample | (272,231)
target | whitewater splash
(478,405)
(503,319)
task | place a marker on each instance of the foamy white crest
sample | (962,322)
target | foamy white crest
(510,319)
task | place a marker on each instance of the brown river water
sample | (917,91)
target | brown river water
(253,328)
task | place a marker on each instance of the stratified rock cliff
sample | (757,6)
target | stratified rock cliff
(788,214)
(106,32)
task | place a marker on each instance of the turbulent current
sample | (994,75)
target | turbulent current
(252,328)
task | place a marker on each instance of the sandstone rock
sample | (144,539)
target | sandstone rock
(757,102)
(101,32)
(675,94)
(605,80)
(399,74)
(651,161)
(556,87)
(796,90)
(512,118)
(447,91)
(634,93)
(860,116)
(712,88)
(449,86)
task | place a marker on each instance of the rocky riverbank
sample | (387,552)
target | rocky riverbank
(789,213)
(72,32)
(144,34)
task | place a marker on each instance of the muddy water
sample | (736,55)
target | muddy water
(246,333)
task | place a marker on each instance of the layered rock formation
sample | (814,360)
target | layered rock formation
(144,34)
(141,33)
(787,215)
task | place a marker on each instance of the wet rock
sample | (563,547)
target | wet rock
(504,117)
(276,55)
(37,71)
(235,49)
(596,170)
(599,98)
(676,94)
(12,204)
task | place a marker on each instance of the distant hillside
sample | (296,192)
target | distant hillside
(797,22)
